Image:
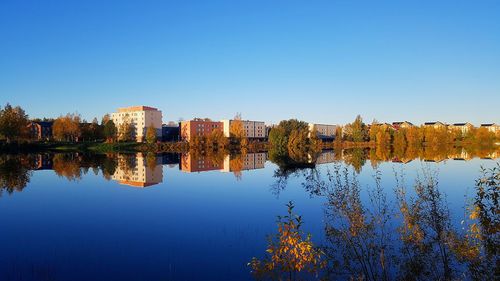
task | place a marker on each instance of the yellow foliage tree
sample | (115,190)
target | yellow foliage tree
(289,253)
(151,134)
(67,128)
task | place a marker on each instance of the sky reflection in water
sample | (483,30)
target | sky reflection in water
(193,221)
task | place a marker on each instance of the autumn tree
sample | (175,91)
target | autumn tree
(125,131)
(151,134)
(289,252)
(13,123)
(357,131)
(105,119)
(237,131)
(67,128)
(216,139)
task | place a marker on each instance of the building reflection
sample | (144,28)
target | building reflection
(191,163)
(138,170)
(43,162)
(326,156)
(249,161)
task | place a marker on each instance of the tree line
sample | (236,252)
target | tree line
(15,127)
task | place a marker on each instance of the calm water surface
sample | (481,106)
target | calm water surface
(173,217)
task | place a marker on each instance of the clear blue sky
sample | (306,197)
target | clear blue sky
(320,61)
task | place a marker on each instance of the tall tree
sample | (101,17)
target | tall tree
(151,134)
(67,127)
(359,130)
(125,131)
(105,119)
(236,128)
(13,123)
(109,131)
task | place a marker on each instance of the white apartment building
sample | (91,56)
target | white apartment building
(140,117)
(323,131)
(253,129)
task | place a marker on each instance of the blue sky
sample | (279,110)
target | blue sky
(319,61)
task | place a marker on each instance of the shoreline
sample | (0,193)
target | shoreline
(181,147)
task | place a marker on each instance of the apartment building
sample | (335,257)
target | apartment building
(140,118)
(198,127)
(252,129)
(137,171)
(323,131)
(40,130)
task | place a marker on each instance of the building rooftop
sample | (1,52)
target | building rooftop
(44,123)
(137,108)
(434,123)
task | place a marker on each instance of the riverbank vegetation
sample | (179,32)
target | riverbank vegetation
(290,141)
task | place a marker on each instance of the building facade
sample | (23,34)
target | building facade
(40,130)
(252,129)
(323,131)
(140,118)
(170,133)
(492,127)
(461,127)
(198,127)
(435,125)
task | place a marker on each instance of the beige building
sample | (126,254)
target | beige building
(462,127)
(252,129)
(402,125)
(140,118)
(494,128)
(435,125)
(137,171)
(323,131)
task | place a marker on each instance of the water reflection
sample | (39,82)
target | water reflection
(138,170)
(411,238)
(145,169)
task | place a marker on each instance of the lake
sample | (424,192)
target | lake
(77,216)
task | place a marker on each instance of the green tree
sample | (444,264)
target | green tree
(151,134)
(109,131)
(359,130)
(13,123)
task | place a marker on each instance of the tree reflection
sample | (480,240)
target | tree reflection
(68,166)
(14,172)
(291,254)
(358,240)
(425,231)
(365,241)
(479,247)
